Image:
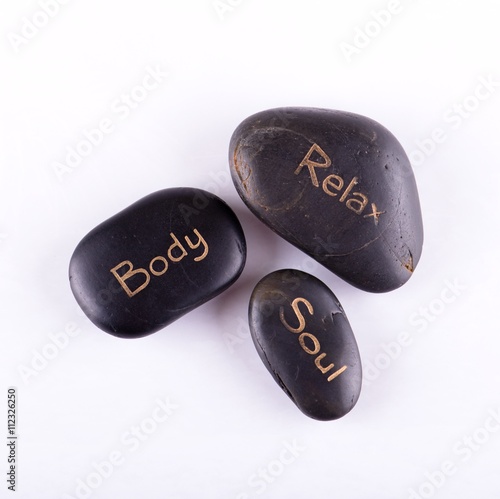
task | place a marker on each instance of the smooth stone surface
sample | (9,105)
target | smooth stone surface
(157,260)
(304,339)
(338,186)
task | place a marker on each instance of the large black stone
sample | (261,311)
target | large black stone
(157,260)
(338,186)
(304,339)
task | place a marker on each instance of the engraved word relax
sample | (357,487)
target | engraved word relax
(159,264)
(332,183)
(302,338)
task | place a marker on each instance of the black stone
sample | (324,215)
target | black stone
(304,339)
(157,260)
(338,186)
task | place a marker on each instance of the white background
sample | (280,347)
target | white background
(425,406)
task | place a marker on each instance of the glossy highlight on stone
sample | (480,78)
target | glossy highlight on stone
(304,339)
(157,260)
(337,185)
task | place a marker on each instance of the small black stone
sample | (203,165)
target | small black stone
(157,260)
(304,339)
(338,186)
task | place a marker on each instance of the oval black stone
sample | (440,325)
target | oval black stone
(157,260)
(304,339)
(338,186)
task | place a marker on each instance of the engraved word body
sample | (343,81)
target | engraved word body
(159,264)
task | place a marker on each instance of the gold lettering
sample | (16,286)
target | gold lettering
(318,360)
(122,278)
(329,182)
(300,317)
(194,246)
(375,214)
(354,181)
(362,203)
(176,252)
(176,244)
(158,259)
(311,165)
(333,184)
(337,373)
(317,346)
